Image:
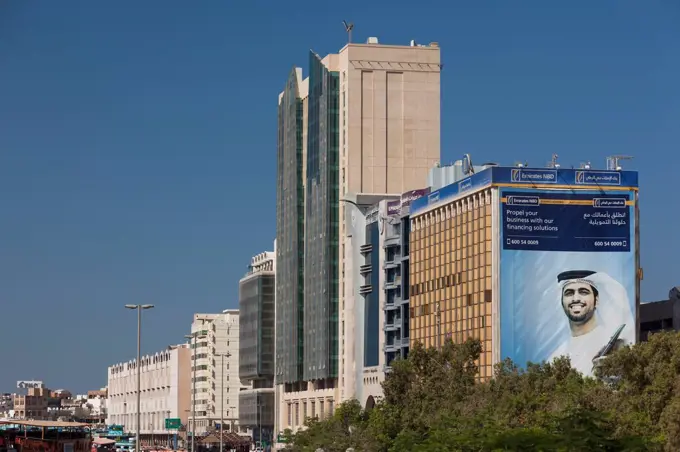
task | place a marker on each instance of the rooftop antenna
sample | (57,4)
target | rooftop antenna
(553,162)
(613,162)
(468,169)
(348,28)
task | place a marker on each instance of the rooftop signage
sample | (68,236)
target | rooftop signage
(527,177)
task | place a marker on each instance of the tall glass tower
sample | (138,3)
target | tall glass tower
(290,237)
(321,225)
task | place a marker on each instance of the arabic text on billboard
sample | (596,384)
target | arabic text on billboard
(26,384)
(567,276)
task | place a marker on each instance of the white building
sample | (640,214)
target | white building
(165,391)
(217,339)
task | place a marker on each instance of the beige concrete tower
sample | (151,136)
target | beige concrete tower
(389,139)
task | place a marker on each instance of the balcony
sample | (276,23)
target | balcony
(391,264)
(392,241)
(392,325)
(392,302)
(393,284)
(391,346)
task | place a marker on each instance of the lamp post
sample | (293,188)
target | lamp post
(166,428)
(139,308)
(222,356)
(259,420)
(192,424)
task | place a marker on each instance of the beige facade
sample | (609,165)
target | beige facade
(217,334)
(390,116)
(33,405)
(389,123)
(389,138)
(165,390)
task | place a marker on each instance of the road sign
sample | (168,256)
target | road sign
(173,423)
(280,438)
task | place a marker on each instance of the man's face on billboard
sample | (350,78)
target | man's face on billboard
(578,301)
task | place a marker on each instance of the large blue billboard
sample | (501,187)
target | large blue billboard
(567,274)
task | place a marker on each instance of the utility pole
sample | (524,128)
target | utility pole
(139,308)
(438,315)
(259,420)
(192,424)
(222,355)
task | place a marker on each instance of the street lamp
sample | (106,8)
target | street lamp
(222,355)
(259,419)
(139,308)
(192,424)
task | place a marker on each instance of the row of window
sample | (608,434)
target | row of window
(443,282)
(451,291)
(146,361)
(293,410)
(473,255)
(459,212)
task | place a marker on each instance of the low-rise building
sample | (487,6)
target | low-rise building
(165,392)
(32,405)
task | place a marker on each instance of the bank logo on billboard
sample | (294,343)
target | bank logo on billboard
(597,178)
(536,176)
(464,185)
(567,275)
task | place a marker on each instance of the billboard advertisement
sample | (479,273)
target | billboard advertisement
(567,274)
(29,384)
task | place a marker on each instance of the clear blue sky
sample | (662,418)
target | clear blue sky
(138,143)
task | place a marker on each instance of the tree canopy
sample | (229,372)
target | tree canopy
(433,401)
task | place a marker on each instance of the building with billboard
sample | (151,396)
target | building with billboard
(367,121)
(256,347)
(534,262)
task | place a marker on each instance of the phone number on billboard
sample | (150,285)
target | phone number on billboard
(609,244)
(585,243)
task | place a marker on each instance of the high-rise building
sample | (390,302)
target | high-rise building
(534,262)
(290,226)
(376,291)
(365,121)
(166,393)
(217,387)
(256,355)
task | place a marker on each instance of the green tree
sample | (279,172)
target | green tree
(434,402)
(345,428)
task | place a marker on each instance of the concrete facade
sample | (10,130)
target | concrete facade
(216,335)
(32,405)
(165,390)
